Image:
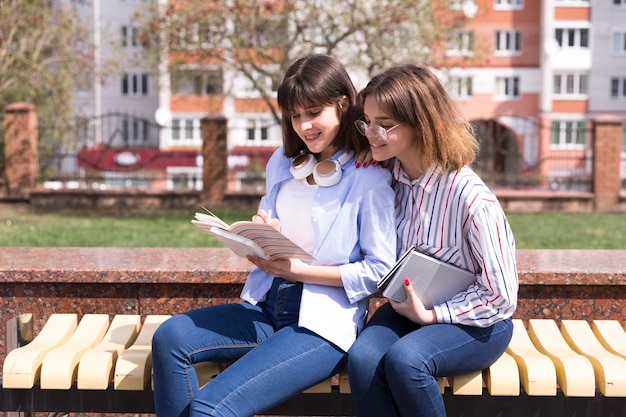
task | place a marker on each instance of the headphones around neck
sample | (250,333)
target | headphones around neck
(325,173)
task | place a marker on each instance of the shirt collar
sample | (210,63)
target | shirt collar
(426,181)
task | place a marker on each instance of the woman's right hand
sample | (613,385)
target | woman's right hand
(263,216)
(364,158)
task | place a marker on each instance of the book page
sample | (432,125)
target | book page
(274,243)
(263,239)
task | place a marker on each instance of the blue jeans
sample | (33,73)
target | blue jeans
(394,362)
(274,359)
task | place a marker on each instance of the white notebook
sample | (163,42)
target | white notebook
(433,281)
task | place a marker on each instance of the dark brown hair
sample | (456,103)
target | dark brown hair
(319,80)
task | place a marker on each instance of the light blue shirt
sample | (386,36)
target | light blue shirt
(354,225)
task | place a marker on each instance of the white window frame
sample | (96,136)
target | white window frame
(508,4)
(185,131)
(461,87)
(620,83)
(571,84)
(575,34)
(129,37)
(618,42)
(135,84)
(508,42)
(257,131)
(567,132)
(507,88)
(461,43)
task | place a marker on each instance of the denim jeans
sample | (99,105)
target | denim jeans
(274,359)
(394,362)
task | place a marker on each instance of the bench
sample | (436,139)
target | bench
(102,365)
(584,286)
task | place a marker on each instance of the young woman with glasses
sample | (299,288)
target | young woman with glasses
(297,320)
(444,209)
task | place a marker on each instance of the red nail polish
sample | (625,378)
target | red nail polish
(406,282)
(358,165)
(364,164)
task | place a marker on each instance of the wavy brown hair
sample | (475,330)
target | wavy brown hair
(412,94)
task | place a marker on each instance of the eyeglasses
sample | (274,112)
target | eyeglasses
(379,132)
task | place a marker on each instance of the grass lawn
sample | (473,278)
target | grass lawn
(18,227)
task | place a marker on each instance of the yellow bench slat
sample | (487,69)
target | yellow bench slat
(503,377)
(95,369)
(134,365)
(22,366)
(58,370)
(467,384)
(536,370)
(612,335)
(575,374)
(610,369)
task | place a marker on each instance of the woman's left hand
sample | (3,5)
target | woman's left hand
(413,308)
(284,268)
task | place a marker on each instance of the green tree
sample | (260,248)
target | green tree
(46,52)
(258,40)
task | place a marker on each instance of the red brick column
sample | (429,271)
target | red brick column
(214,154)
(20,148)
(607,146)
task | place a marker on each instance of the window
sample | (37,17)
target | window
(618,88)
(618,41)
(568,133)
(570,84)
(257,130)
(507,87)
(130,37)
(134,84)
(508,42)
(508,4)
(461,43)
(185,129)
(572,37)
(461,87)
(135,130)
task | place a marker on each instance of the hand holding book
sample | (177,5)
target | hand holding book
(246,238)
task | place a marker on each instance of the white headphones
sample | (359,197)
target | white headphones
(326,173)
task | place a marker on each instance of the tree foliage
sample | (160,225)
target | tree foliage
(46,53)
(260,39)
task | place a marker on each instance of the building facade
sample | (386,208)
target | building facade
(530,75)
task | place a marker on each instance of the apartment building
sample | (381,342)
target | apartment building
(530,74)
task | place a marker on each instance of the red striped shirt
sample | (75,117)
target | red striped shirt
(455,217)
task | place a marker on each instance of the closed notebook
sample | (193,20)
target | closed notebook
(433,281)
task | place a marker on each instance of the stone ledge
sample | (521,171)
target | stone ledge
(220,266)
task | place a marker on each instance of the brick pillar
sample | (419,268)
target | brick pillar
(20,148)
(214,154)
(607,147)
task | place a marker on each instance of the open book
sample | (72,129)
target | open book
(251,238)
(433,281)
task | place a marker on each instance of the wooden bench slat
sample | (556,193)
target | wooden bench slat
(22,366)
(467,384)
(612,335)
(95,369)
(574,372)
(536,370)
(58,370)
(609,369)
(503,377)
(134,365)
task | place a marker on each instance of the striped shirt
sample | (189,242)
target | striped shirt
(455,217)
